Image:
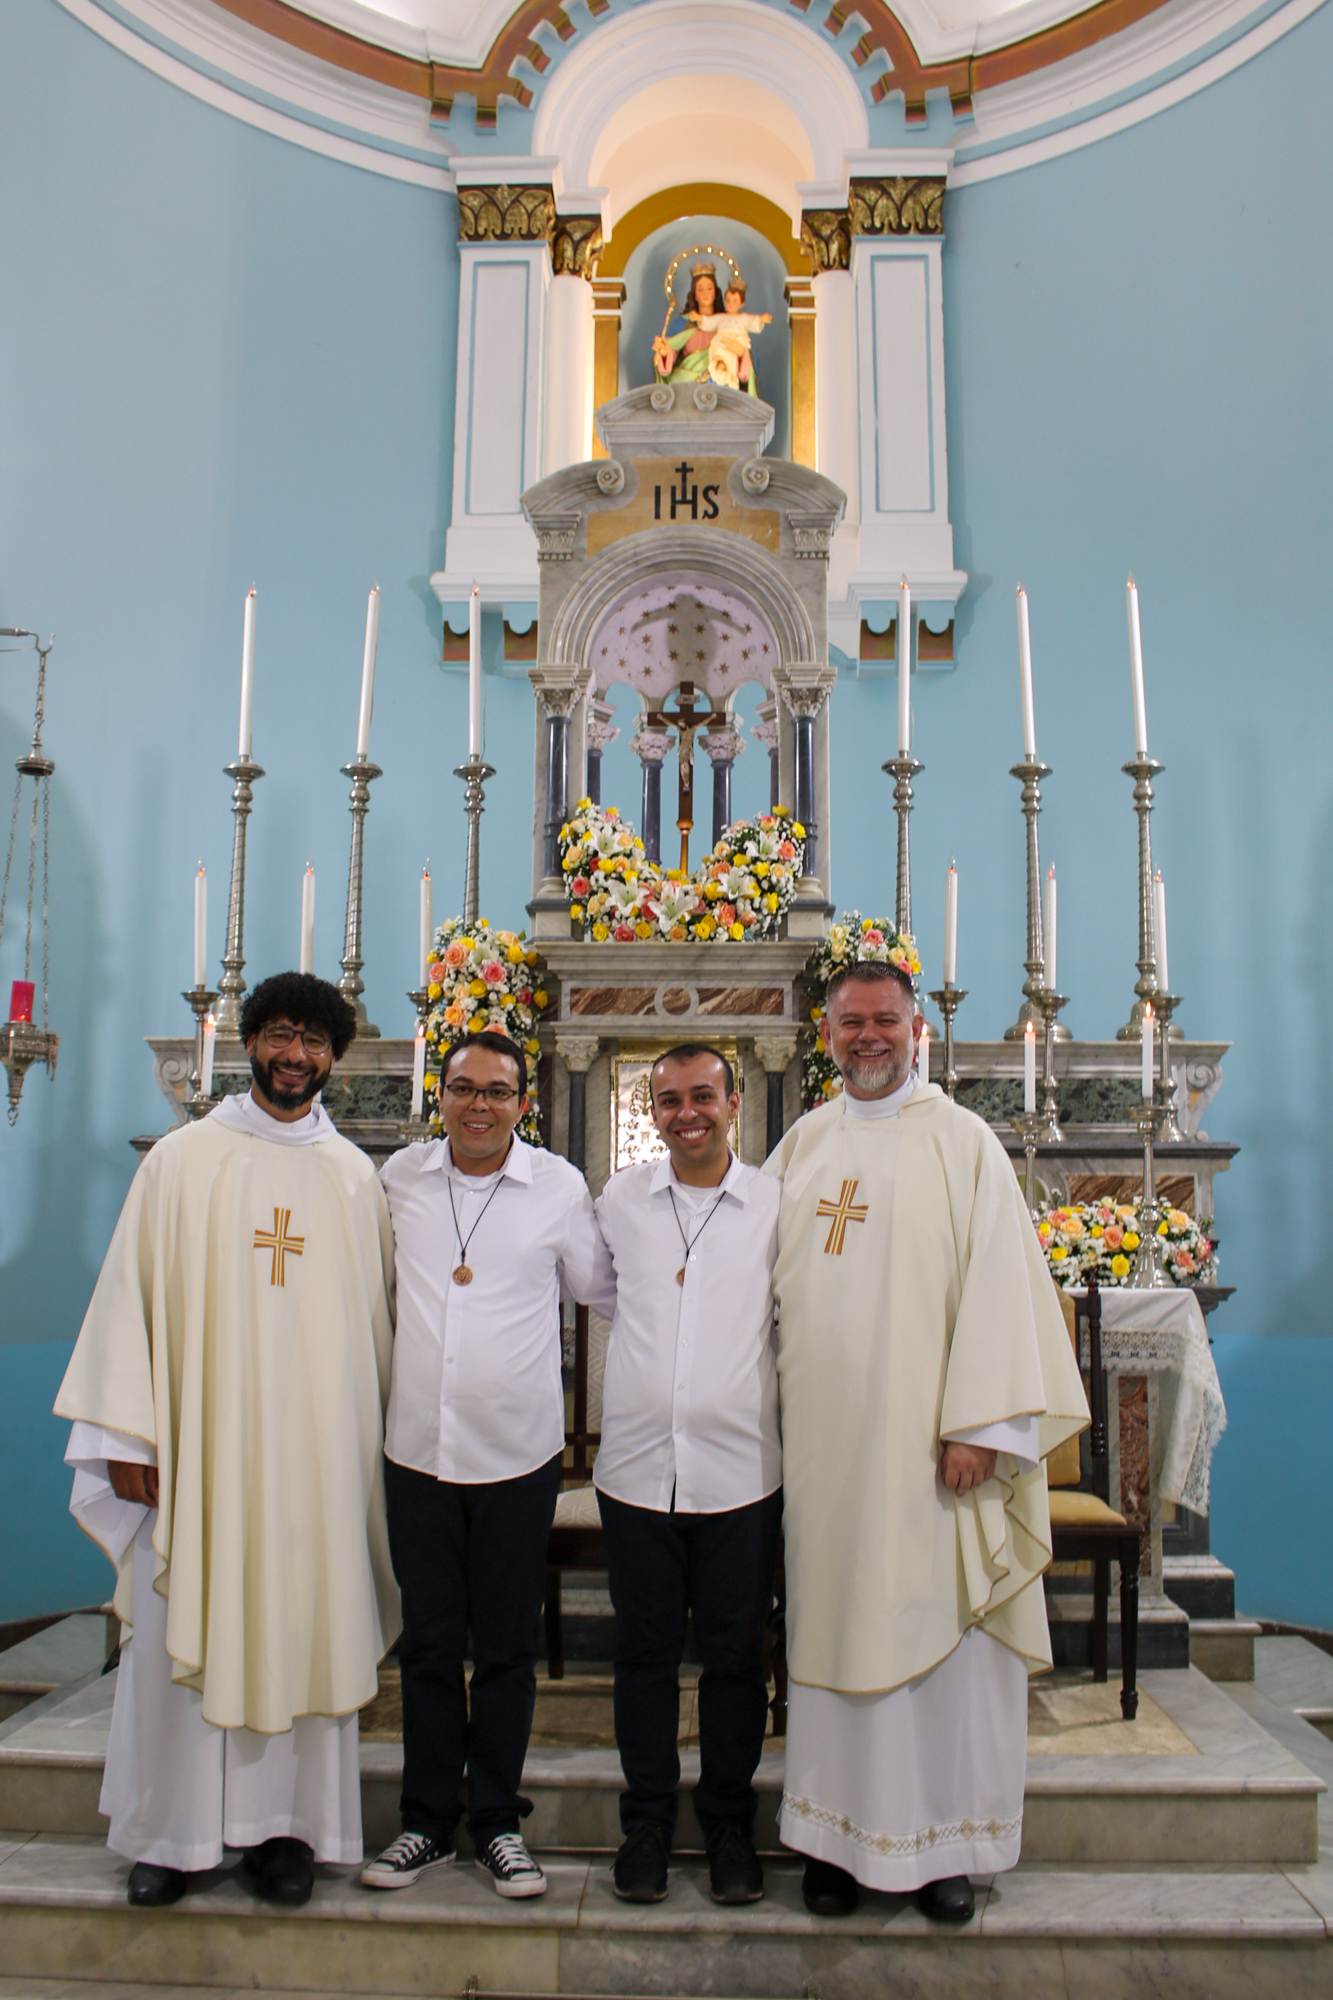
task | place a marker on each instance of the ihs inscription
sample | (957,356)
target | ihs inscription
(683,493)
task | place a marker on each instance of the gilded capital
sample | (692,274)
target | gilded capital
(576,245)
(826,238)
(505,214)
(894,206)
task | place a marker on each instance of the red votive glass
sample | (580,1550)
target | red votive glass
(20,1000)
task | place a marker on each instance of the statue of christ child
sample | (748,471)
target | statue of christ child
(729,349)
(687,356)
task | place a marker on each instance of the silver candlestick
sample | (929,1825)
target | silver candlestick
(417,1128)
(1048,1006)
(1030,1127)
(949,998)
(200,998)
(474,774)
(231,987)
(1148,1274)
(362,773)
(1030,772)
(1164,1096)
(902,770)
(1143,770)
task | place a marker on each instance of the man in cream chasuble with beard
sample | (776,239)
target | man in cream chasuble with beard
(925,1372)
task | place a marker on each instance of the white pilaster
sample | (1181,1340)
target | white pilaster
(838,440)
(567,427)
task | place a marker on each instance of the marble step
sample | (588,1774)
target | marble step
(1194,1779)
(1193,1932)
(55,1657)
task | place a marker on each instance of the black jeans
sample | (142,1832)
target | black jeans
(719,1567)
(468,1556)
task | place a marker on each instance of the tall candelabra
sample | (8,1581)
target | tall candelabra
(1143,770)
(1148,1275)
(1048,1005)
(474,774)
(902,770)
(362,773)
(198,1102)
(1031,1128)
(1029,773)
(949,998)
(231,987)
(414,1127)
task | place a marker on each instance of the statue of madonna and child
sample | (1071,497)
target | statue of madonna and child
(715,346)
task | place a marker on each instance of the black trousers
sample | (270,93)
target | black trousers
(468,1557)
(719,1568)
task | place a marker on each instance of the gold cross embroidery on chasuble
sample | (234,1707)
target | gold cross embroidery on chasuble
(280,1244)
(839,1213)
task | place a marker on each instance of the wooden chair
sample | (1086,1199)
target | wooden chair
(1084,1525)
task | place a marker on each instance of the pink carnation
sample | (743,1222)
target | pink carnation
(493,972)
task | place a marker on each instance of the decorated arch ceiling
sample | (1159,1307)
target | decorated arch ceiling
(488,51)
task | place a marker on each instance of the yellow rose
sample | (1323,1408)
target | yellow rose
(468,944)
(570,863)
(1120,1265)
(530,957)
(1162,1228)
(533,1047)
(712,890)
(770,902)
(601,933)
(1043,1230)
(761,869)
(1131,1240)
(429,1081)
(476,1024)
(541,998)
(1176,1219)
(737,931)
(515,954)
(643,930)
(705,927)
(433,991)
(477,988)
(1096,1229)
(798,829)
(1059,1254)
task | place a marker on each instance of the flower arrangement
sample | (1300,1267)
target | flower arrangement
(480,978)
(855,940)
(742,889)
(1101,1238)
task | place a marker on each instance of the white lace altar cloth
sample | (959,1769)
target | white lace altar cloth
(1163,1334)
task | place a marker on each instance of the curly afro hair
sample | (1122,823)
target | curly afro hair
(306,1002)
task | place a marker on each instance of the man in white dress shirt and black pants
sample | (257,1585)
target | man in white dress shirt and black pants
(488,1235)
(689,1472)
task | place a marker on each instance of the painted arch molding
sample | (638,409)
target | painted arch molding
(611,94)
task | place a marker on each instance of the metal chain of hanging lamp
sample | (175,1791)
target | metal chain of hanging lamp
(22,1043)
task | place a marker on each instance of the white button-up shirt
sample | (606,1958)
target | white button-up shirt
(690,1395)
(477,1394)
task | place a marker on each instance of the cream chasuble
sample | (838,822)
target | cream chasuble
(240,1327)
(914,1305)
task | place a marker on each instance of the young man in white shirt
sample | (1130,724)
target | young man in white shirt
(489,1233)
(689,1472)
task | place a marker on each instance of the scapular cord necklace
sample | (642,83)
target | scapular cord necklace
(689,1241)
(462,1275)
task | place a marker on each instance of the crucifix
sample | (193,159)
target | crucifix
(687,720)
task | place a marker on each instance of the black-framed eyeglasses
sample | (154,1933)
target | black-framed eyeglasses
(278,1035)
(498,1094)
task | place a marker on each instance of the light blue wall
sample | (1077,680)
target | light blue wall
(225,360)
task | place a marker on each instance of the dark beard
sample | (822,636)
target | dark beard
(286,1100)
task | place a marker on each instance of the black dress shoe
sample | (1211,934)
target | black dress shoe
(948,1902)
(734,1871)
(640,1871)
(829,1891)
(152,1888)
(284,1872)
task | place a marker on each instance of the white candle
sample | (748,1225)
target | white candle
(206,1066)
(951,926)
(1025,672)
(418,1071)
(904,651)
(923,1055)
(200,926)
(474,674)
(368,674)
(1048,916)
(1159,926)
(247,675)
(427,923)
(1147,1054)
(1029,1068)
(1136,671)
(308,918)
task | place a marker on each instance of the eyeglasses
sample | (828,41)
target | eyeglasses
(498,1094)
(281,1034)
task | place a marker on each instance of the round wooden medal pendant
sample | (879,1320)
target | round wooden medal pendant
(680,1275)
(462,1276)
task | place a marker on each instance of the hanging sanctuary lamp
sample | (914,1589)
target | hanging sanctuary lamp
(22,1042)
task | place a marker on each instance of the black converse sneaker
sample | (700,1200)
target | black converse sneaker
(404,1859)
(511,1868)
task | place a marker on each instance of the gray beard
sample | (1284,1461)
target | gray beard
(878,1078)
